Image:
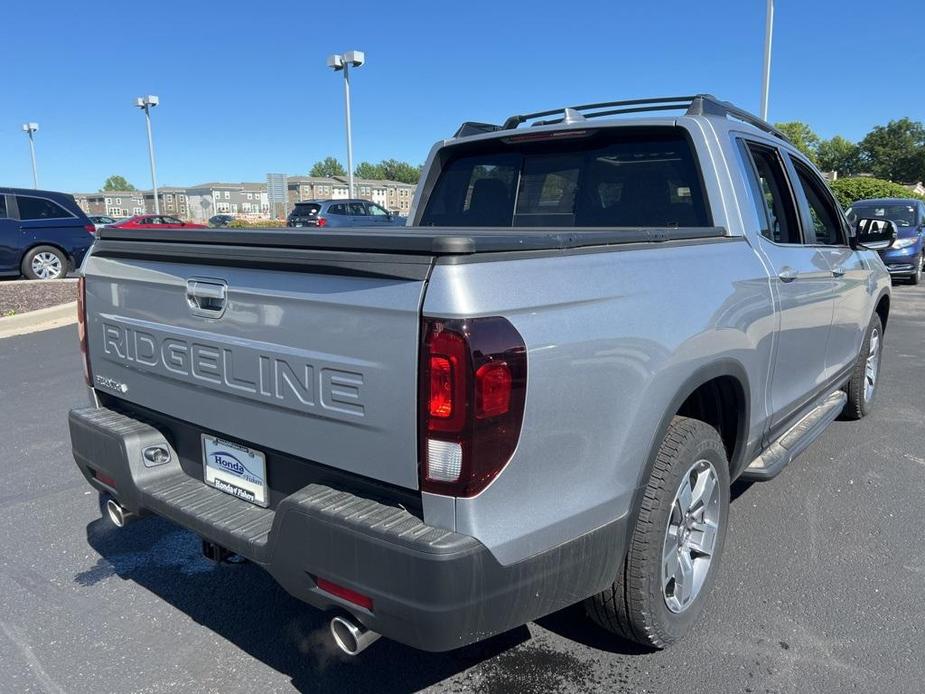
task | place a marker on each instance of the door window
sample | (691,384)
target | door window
(39,208)
(337,209)
(2,206)
(171,220)
(377,211)
(773,201)
(357,209)
(825,216)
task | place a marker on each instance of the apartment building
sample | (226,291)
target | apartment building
(392,195)
(125,203)
(248,200)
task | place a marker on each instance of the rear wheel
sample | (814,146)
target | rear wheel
(862,388)
(44,263)
(677,541)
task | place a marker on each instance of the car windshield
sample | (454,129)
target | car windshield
(901,214)
(629,177)
(306,210)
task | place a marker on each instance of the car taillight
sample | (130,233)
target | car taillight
(90,229)
(82,325)
(322,222)
(473,383)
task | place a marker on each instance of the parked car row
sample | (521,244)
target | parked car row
(341,213)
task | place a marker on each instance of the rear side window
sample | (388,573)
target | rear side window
(40,208)
(624,177)
(774,203)
(337,209)
(2,206)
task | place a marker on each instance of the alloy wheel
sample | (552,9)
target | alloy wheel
(690,538)
(46,265)
(872,367)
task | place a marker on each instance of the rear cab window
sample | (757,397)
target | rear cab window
(610,177)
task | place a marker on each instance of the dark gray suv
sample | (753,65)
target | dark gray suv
(340,213)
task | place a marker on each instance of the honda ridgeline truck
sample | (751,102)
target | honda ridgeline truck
(536,393)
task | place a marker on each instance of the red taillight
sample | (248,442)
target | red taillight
(492,390)
(349,595)
(90,229)
(322,222)
(82,325)
(473,387)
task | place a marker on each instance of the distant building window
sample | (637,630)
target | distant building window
(108,201)
(250,196)
(169,197)
(227,195)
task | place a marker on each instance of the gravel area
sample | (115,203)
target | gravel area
(20,296)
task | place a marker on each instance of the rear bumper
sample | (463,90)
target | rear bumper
(431,588)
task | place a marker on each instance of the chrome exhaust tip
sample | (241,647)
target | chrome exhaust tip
(350,637)
(118,514)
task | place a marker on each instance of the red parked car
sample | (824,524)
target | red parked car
(156,221)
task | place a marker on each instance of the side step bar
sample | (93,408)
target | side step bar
(796,439)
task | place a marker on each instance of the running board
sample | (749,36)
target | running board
(796,439)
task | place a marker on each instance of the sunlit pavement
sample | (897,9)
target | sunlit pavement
(820,587)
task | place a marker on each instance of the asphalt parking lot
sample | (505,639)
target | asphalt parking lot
(820,590)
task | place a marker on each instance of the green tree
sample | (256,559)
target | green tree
(802,137)
(850,190)
(401,171)
(839,154)
(896,151)
(329,166)
(390,169)
(117,183)
(369,170)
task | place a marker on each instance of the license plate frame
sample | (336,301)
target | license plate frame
(235,469)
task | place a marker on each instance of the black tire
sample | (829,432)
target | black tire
(635,606)
(859,402)
(59,258)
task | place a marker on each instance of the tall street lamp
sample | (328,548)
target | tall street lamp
(30,129)
(146,103)
(766,77)
(345,62)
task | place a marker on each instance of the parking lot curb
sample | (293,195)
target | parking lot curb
(41,319)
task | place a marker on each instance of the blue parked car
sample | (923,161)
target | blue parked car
(341,213)
(43,234)
(904,257)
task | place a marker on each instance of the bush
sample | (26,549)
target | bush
(850,190)
(257,224)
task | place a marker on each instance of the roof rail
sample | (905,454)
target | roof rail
(696,105)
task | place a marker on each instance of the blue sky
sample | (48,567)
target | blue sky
(244,89)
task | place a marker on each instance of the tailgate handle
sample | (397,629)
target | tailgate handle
(206,297)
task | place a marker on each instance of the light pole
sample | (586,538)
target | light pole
(345,62)
(146,103)
(30,129)
(766,77)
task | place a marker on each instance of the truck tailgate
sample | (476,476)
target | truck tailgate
(317,359)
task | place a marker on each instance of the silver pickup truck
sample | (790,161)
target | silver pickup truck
(537,393)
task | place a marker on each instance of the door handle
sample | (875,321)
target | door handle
(838,271)
(206,298)
(787,274)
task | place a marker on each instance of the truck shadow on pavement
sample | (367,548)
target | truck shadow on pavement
(245,606)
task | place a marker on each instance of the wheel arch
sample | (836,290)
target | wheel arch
(730,376)
(882,308)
